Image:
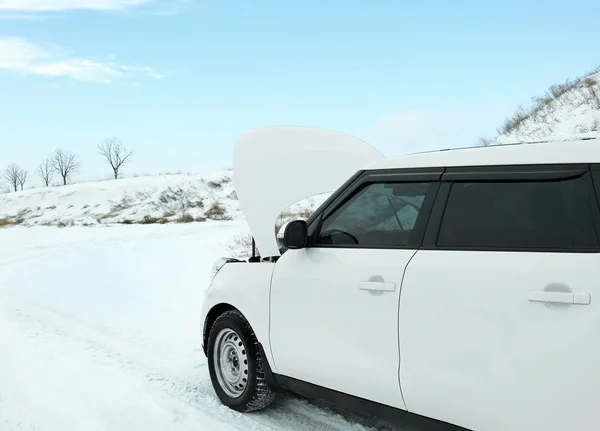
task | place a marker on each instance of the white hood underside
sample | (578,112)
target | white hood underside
(275,167)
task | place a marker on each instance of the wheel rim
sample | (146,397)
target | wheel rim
(231,362)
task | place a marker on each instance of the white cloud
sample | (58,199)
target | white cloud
(22,16)
(57,5)
(20,55)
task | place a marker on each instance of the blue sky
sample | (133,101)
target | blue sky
(179,80)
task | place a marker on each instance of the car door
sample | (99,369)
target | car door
(498,324)
(334,304)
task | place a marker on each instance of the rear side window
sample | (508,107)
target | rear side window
(513,215)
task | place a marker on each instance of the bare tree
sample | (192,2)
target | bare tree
(45,170)
(23,178)
(13,175)
(65,163)
(115,153)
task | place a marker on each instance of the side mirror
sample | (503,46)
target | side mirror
(296,235)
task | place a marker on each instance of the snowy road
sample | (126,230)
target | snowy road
(99,331)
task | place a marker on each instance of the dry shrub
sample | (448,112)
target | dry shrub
(186,218)
(216,212)
(485,141)
(218,184)
(240,247)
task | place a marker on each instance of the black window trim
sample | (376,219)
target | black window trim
(314,220)
(506,174)
(407,175)
(595,171)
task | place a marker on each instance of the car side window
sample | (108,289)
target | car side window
(380,215)
(513,215)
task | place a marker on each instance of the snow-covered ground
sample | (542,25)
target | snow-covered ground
(100,330)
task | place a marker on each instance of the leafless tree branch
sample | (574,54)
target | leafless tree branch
(45,170)
(23,178)
(65,163)
(13,174)
(115,153)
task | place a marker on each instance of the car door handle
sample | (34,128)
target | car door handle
(384,286)
(559,297)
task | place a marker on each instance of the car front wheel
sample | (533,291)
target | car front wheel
(236,365)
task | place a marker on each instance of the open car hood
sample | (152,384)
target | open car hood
(275,167)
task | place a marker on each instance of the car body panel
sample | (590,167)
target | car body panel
(478,350)
(244,286)
(334,319)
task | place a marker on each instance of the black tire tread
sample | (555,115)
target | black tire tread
(263,396)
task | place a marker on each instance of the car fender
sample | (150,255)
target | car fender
(245,287)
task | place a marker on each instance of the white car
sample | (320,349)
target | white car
(453,286)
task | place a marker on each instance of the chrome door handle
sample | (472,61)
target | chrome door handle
(383,286)
(559,297)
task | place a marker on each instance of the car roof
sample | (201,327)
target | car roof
(584,150)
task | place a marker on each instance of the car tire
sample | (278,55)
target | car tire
(236,365)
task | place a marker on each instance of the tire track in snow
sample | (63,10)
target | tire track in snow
(98,351)
(126,354)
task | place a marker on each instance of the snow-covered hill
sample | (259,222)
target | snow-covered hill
(142,200)
(566,111)
(156,199)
